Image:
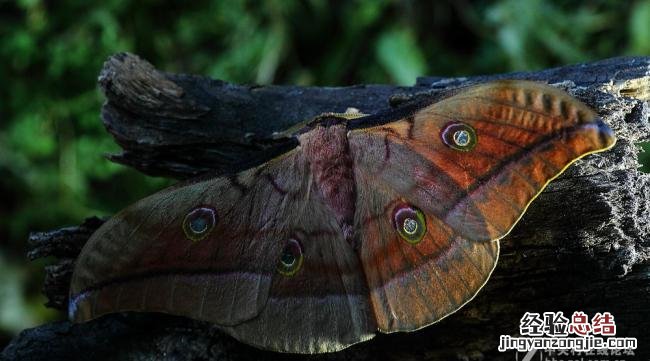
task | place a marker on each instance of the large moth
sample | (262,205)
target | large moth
(380,223)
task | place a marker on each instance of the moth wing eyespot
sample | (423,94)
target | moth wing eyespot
(198,225)
(199,222)
(410,223)
(410,226)
(459,136)
(291,258)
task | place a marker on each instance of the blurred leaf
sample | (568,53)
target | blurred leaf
(32,136)
(532,32)
(271,54)
(16,312)
(398,53)
(644,157)
(640,28)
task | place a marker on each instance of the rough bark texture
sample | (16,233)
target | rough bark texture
(583,245)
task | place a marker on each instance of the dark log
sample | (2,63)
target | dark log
(584,244)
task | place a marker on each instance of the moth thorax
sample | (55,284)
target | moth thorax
(328,154)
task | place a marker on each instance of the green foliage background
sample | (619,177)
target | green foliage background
(52,170)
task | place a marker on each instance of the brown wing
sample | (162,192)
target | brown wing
(324,307)
(214,251)
(471,164)
(415,284)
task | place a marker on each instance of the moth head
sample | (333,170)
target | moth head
(459,136)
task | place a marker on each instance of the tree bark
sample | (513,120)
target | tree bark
(583,245)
